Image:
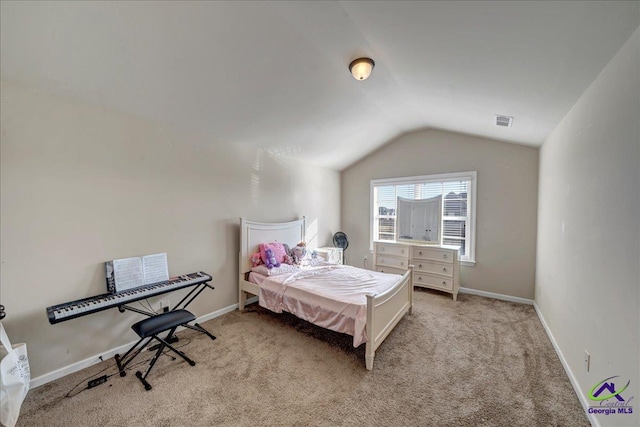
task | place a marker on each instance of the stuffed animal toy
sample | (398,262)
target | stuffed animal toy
(271,259)
(256,259)
(288,259)
(298,252)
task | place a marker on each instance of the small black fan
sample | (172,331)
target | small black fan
(340,240)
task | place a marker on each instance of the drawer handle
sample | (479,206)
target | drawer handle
(420,266)
(401,263)
(444,255)
(444,283)
(420,253)
(419,279)
(444,268)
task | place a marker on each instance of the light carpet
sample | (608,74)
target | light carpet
(474,362)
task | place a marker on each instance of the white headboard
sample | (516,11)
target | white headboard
(253,233)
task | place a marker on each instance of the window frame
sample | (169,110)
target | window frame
(472,176)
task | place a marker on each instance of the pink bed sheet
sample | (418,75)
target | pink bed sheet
(333,297)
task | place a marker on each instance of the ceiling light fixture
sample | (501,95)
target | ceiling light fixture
(361,68)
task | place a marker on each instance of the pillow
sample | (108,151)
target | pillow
(277,248)
(288,258)
(284,268)
(287,249)
(313,262)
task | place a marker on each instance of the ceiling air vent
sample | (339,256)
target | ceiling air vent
(504,121)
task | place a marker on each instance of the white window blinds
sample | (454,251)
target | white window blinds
(458,206)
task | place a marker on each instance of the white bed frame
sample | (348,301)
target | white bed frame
(384,311)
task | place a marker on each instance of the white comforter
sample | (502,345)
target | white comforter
(333,296)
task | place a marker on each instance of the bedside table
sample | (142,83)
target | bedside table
(331,254)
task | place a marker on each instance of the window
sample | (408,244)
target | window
(458,207)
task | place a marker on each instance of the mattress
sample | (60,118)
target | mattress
(330,296)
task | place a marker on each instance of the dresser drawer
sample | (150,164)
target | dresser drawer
(390,249)
(433,267)
(421,279)
(387,261)
(434,254)
(390,270)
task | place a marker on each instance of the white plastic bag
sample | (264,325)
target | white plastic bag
(14,379)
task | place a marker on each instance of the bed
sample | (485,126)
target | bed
(368,308)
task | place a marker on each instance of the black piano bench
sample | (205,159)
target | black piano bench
(148,329)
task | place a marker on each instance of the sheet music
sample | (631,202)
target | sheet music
(128,272)
(155,268)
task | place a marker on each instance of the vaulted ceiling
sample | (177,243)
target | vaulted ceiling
(274,75)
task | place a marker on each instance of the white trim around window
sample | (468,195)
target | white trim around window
(467,178)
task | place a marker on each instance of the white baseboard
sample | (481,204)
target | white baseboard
(496,296)
(93,360)
(574,382)
(77,366)
(215,314)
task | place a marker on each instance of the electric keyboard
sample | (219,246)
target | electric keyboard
(82,307)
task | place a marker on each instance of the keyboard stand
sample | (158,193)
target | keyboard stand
(184,302)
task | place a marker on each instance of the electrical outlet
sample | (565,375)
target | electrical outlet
(587,360)
(165,305)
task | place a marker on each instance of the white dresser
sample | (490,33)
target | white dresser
(434,267)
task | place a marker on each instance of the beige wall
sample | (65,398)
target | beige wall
(81,185)
(506,202)
(588,274)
